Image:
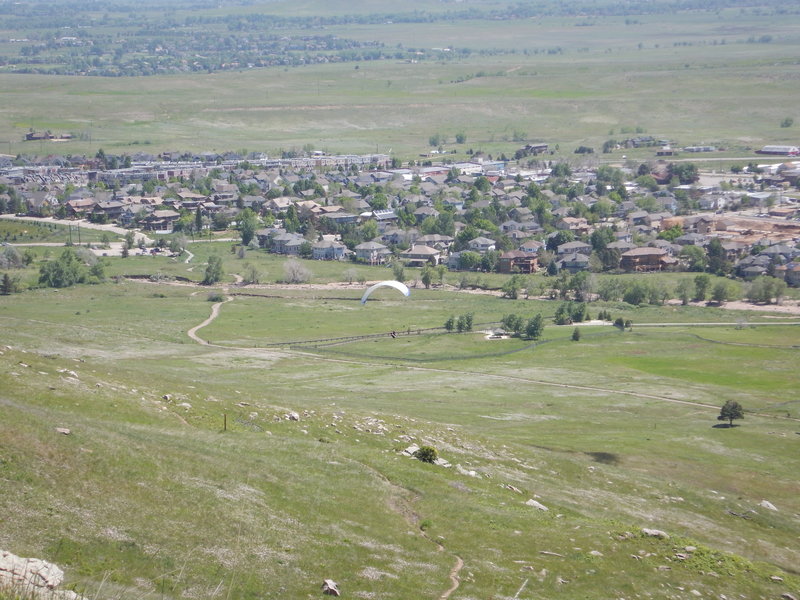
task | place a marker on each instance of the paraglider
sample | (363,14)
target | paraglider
(400,287)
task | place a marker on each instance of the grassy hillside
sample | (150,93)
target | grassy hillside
(182,475)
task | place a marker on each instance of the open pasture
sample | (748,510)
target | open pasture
(611,433)
(699,78)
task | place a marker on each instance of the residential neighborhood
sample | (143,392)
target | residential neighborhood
(483,215)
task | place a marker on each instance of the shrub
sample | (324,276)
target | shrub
(216,297)
(427,454)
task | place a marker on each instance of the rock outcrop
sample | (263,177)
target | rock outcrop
(33,576)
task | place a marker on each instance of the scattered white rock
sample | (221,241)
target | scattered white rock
(508,486)
(330,588)
(768,505)
(776,579)
(292,416)
(468,472)
(410,450)
(657,533)
(788,596)
(63,430)
(35,578)
(695,593)
(596,553)
(185,405)
(536,504)
(166,397)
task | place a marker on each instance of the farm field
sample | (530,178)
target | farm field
(723,78)
(182,475)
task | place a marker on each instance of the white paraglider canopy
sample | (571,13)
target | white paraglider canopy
(400,287)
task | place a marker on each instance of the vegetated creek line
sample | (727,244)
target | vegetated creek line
(192,333)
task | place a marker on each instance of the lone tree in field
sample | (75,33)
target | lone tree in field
(731,410)
(214,271)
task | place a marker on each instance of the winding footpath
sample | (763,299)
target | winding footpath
(192,333)
(455,581)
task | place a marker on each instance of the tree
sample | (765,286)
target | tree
(10,285)
(251,273)
(721,292)
(469,260)
(576,334)
(64,271)
(512,287)
(214,271)
(450,324)
(601,237)
(718,262)
(398,271)
(685,172)
(426,276)
(685,290)
(291,221)
(464,323)
(221,221)
(295,272)
(535,327)
(701,283)
(695,257)
(730,411)
(247,223)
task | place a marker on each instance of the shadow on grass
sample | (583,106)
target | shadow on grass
(724,426)
(607,458)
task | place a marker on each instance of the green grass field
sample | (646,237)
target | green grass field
(693,79)
(148,495)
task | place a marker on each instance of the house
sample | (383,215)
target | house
(373,253)
(517,261)
(161,221)
(435,240)
(481,244)
(423,212)
(572,247)
(578,225)
(287,243)
(790,273)
(691,239)
(79,207)
(328,250)
(420,255)
(394,236)
(639,217)
(532,247)
(110,209)
(574,262)
(340,217)
(264,236)
(278,205)
(645,259)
